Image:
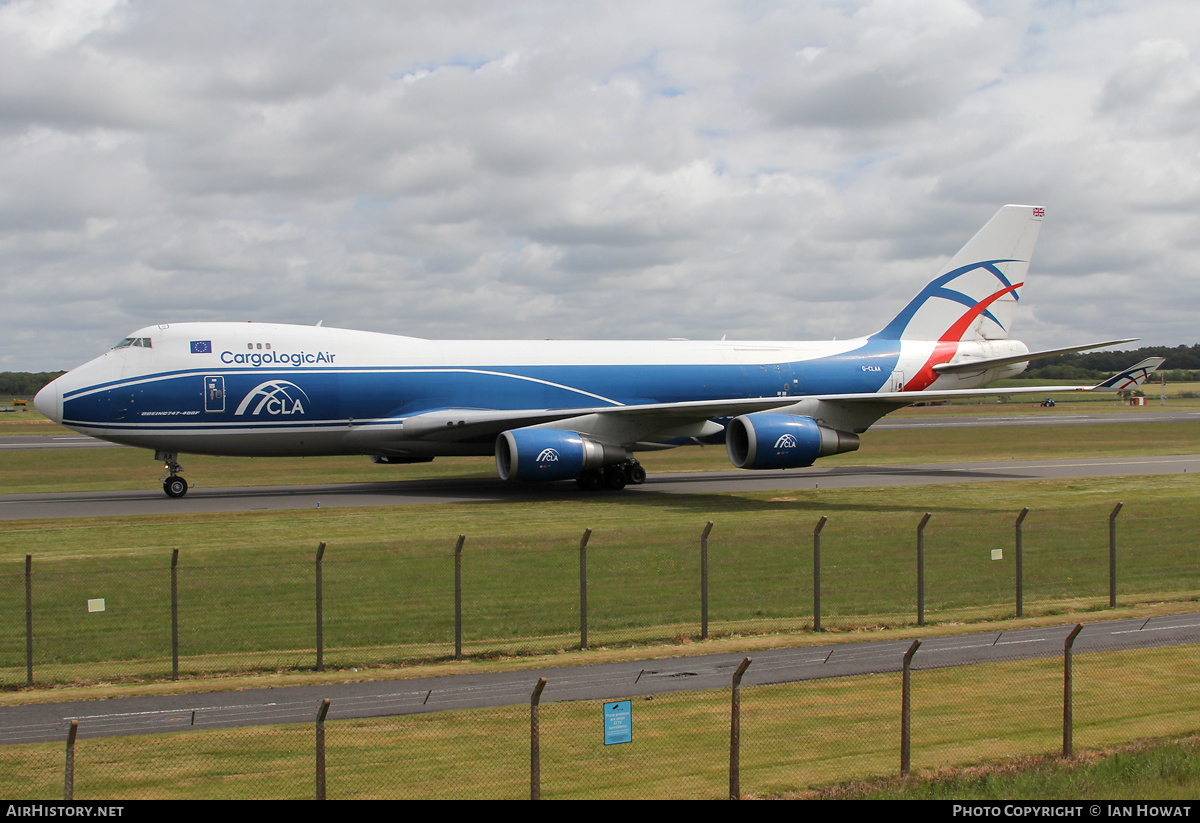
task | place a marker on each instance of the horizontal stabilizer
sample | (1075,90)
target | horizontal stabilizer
(1132,377)
(996,362)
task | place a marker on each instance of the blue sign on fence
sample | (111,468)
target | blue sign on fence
(618,722)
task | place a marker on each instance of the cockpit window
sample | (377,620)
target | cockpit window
(140,342)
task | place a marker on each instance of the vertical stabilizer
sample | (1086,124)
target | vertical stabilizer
(972,298)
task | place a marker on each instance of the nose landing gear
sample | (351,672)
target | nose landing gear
(173,484)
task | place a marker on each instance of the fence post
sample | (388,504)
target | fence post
(583,541)
(320,610)
(1112,556)
(535,756)
(29,620)
(1020,564)
(458,596)
(175,614)
(69,771)
(735,733)
(321,713)
(906,709)
(704,580)
(921,570)
(817,573)
(1068,715)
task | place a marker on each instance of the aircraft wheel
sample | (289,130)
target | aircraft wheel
(175,486)
(614,478)
(635,474)
(590,481)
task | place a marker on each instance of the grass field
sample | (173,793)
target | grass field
(1157,770)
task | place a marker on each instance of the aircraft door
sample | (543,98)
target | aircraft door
(789,383)
(769,379)
(214,393)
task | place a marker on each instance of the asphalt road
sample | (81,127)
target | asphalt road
(42,442)
(611,681)
(416,492)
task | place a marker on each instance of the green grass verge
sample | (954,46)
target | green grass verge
(1156,770)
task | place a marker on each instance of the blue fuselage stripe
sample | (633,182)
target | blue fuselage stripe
(236,398)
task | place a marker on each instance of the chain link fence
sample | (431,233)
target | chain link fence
(791,737)
(114,616)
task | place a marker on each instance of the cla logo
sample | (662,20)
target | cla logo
(276,397)
(547,456)
(788,441)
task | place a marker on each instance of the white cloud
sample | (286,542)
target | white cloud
(626,169)
(48,26)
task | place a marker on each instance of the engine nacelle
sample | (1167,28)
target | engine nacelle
(765,440)
(550,454)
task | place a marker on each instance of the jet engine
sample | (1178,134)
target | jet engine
(550,454)
(765,440)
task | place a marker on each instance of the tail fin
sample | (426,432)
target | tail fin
(1131,377)
(973,297)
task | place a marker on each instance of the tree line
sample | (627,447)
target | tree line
(23,383)
(1183,363)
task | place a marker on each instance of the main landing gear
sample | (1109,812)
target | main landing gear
(173,484)
(615,476)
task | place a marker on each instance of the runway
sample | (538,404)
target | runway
(298,704)
(424,492)
(33,442)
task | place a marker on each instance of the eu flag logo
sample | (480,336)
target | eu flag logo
(201,347)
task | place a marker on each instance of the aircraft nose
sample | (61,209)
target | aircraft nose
(49,401)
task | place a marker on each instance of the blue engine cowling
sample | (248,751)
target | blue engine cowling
(766,440)
(550,454)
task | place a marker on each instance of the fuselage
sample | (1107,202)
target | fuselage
(260,389)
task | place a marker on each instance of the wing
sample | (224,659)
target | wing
(658,422)
(454,425)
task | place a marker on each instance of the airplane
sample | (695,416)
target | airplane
(560,409)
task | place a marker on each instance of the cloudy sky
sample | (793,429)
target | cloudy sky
(757,169)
